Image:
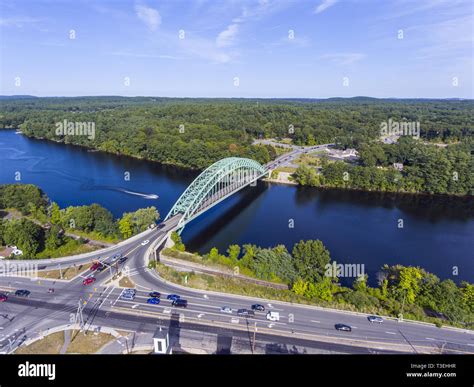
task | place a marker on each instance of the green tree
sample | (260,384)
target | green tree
(55,213)
(310,258)
(233,252)
(178,242)
(125,226)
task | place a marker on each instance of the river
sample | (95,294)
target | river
(357,227)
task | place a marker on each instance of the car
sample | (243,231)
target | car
(50,290)
(145,242)
(246,313)
(22,293)
(3,297)
(226,309)
(122,260)
(343,327)
(101,268)
(258,307)
(88,281)
(155,294)
(128,294)
(153,300)
(95,266)
(273,316)
(173,297)
(180,303)
(376,319)
(115,258)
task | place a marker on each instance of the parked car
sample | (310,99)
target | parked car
(258,307)
(155,294)
(375,319)
(22,293)
(273,316)
(226,309)
(3,297)
(153,300)
(145,242)
(343,327)
(88,281)
(246,313)
(173,297)
(180,303)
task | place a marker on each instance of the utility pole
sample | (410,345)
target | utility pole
(254,338)
(79,315)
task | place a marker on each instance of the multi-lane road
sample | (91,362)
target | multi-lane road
(23,318)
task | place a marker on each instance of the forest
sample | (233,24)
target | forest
(30,210)
(194,133)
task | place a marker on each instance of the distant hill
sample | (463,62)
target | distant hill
(17,96)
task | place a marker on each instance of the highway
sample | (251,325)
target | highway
(24,318)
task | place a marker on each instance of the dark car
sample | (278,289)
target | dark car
(173,297)
(180,303)
(101,268)
(22,293)
(245,313)
(3,297)
(155,294)
(258,307)
(343,327)
(122,260)
(153,300)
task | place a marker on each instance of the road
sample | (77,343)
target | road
(26,318)
(22,318)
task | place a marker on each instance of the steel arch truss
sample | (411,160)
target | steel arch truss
(214,184)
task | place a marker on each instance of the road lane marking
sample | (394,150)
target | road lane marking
(429,338)
(234,320)
(316,321)
(391,333)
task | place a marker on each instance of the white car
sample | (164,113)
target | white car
(226,309)
(145,242)
(273,316)
(375,319)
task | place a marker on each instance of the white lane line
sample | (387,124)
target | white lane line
(316,321)
(234,321)
(429,338)
(391,333)
(143,287)
(471,345)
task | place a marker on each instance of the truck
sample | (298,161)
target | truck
(273,316)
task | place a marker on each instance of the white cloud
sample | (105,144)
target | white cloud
(325,4)
(226,37)
(150,16)
(344,58)
(18,21)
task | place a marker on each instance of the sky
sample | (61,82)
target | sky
(238,48)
